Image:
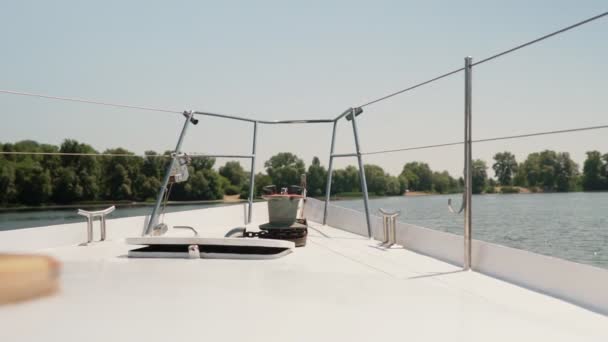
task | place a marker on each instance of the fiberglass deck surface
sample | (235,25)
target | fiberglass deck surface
(340,287)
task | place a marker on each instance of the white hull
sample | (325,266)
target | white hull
(340,287)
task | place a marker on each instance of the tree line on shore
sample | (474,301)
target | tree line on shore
(35,179)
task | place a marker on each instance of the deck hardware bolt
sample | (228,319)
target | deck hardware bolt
(193,252)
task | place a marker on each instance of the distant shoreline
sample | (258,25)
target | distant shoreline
(338,197)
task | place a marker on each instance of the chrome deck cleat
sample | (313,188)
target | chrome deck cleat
(91,215)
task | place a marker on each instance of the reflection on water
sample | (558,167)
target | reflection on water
(28,219)
(572,226)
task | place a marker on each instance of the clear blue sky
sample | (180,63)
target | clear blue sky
(313,59)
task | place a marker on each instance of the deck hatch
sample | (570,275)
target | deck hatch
(213,249)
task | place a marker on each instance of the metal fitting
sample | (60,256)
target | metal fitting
(389,225)
(193,252)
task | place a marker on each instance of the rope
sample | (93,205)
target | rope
(490,139)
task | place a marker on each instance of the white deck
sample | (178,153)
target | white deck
(340,287)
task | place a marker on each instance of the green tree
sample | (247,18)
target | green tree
(245,187)
(455,186)
(261,180)
(224,183)
(605,167)
(202,163)
(216,184)
(49,162)
(345,180)
(443,183)
(376,179)
(550,170)
(8,191)
(153,165)
(119,174)
(566,173)
(82,172)
(491,186)
(316,178)
(33,183)
(23,178)
(548,165)
(147,182)
(419,176)
(520,178)
(285,169)
(147,187)
(594,172)
(403,184)
(203,184)
(505,166)
(531,169)
(25,146)
(66,186)
(393,186)
(234,172)
(479,176)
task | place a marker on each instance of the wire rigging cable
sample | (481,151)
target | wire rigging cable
(541,38)
(118,105)
(386,97)
(84,154)
(147,108)
(95,102)
(526,135)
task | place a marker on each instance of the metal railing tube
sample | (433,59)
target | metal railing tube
(361,172)
(235,156)
(161,192)
(284,122)
(468,160)
(329,172)
(265,122)
(341,155)
(252,175)
(225,116)
(345,113)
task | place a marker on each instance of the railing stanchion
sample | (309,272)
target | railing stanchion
(252,175)
(161,192)
(329,172)
(468,161)
(361,172)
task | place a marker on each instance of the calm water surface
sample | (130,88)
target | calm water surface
(28,219)
(572,226)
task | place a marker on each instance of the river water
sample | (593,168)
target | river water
(36,218)
(572,226)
